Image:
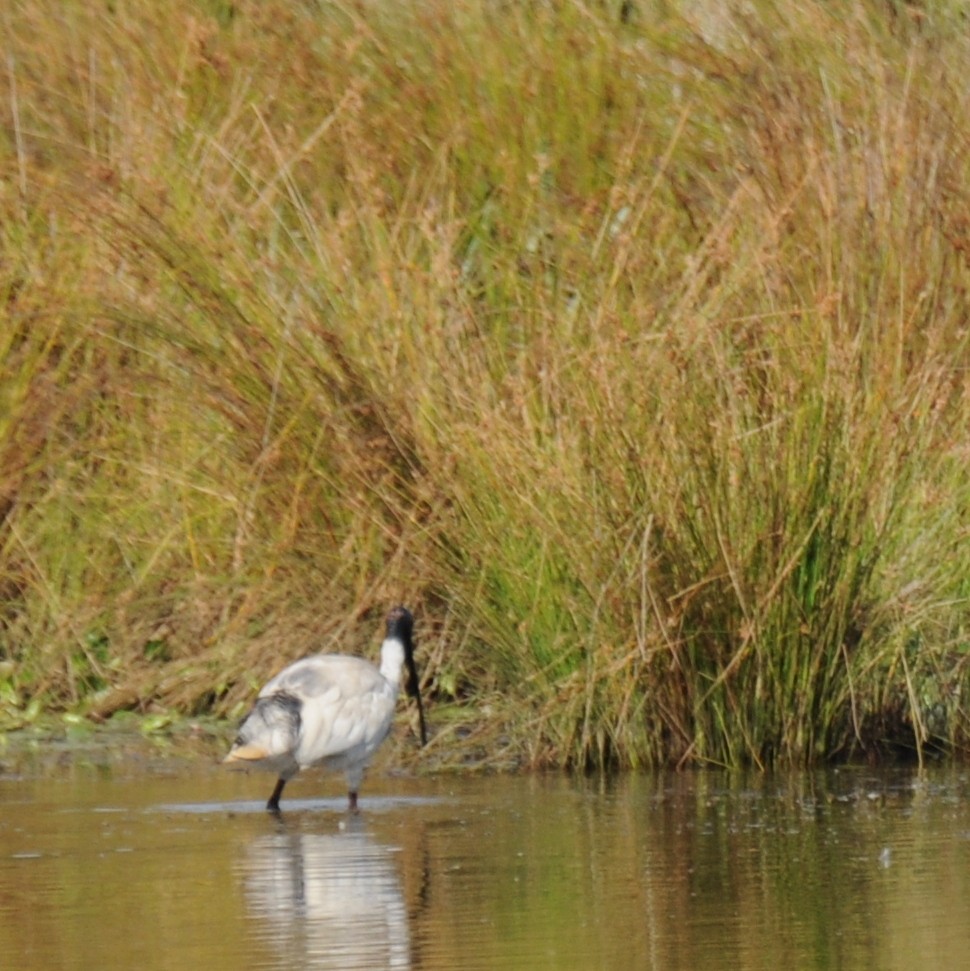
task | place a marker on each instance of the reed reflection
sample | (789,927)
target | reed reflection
(328,900)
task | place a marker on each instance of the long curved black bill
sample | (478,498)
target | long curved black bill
(414,691)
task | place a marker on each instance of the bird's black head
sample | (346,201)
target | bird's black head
(400,624)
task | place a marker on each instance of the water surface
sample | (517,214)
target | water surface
(166,863)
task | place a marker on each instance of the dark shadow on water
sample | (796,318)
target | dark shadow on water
(379,804)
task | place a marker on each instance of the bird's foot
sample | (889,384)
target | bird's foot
(273,806)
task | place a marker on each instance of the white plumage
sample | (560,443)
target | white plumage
(332,710)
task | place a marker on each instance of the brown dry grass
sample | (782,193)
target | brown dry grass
(633,356)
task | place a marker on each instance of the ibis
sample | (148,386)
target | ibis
(332,710)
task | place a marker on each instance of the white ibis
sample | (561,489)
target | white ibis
(332,710)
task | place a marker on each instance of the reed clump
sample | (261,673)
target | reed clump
(632,352)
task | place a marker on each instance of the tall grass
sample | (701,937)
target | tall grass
(633,353)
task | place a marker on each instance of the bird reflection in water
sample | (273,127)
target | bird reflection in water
(328,900)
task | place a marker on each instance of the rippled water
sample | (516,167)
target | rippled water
(170,864)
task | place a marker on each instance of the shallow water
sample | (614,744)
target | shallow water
(165,863)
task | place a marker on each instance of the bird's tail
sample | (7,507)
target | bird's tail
(271,729)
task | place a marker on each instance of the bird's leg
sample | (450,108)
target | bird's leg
(273,805)
(352,795)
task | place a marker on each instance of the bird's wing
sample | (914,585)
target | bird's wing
(315,677)
(345,703)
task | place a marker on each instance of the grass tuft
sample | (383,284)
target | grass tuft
(631,351)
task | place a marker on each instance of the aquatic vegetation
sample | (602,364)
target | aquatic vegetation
(633,352)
